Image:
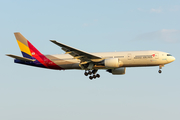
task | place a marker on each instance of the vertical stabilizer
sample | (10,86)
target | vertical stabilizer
(23,45)
(30,53)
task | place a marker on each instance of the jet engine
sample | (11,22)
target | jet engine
(112,63)
(117,71)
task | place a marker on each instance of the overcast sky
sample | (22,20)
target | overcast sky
(29,93)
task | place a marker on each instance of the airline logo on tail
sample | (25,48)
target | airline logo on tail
(30,52)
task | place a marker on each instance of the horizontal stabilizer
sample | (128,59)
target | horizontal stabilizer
(20,58)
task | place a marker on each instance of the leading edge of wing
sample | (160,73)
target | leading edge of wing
(79,53)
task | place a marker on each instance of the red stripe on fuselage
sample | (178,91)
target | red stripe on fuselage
(41,58)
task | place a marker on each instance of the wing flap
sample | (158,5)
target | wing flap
(20,58)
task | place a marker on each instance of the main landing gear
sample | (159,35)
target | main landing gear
(94,76)
(160,67)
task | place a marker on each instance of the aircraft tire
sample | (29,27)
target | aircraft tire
(98,75)
(160,71)
(94,76)
(90,77)
(89,72)
(86,74)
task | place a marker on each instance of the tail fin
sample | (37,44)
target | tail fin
(30,53)
(23,45)
(27,49)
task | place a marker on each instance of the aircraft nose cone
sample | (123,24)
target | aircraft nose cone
(170,59)
(173,59)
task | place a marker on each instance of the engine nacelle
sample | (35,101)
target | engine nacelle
(112,63)
(117,71)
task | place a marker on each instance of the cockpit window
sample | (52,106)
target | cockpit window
(169,55)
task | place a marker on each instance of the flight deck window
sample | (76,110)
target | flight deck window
(169,55)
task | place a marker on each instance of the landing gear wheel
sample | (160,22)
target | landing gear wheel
(94,71)
(94,76)
(86,74)
(160,71)
(89,72)
(90,77)
(98,75)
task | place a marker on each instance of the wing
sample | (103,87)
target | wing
(78,54)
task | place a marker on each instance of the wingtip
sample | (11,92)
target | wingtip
(10,55)
(16,32)
(7,54)
(53,40)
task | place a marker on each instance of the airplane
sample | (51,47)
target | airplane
(112,62)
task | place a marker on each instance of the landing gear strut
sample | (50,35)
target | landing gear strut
(160,67)
(94,76)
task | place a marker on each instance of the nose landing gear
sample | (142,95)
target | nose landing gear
(160,67)
(94,76)
(160,71)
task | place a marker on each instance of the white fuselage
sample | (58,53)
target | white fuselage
(127,59)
